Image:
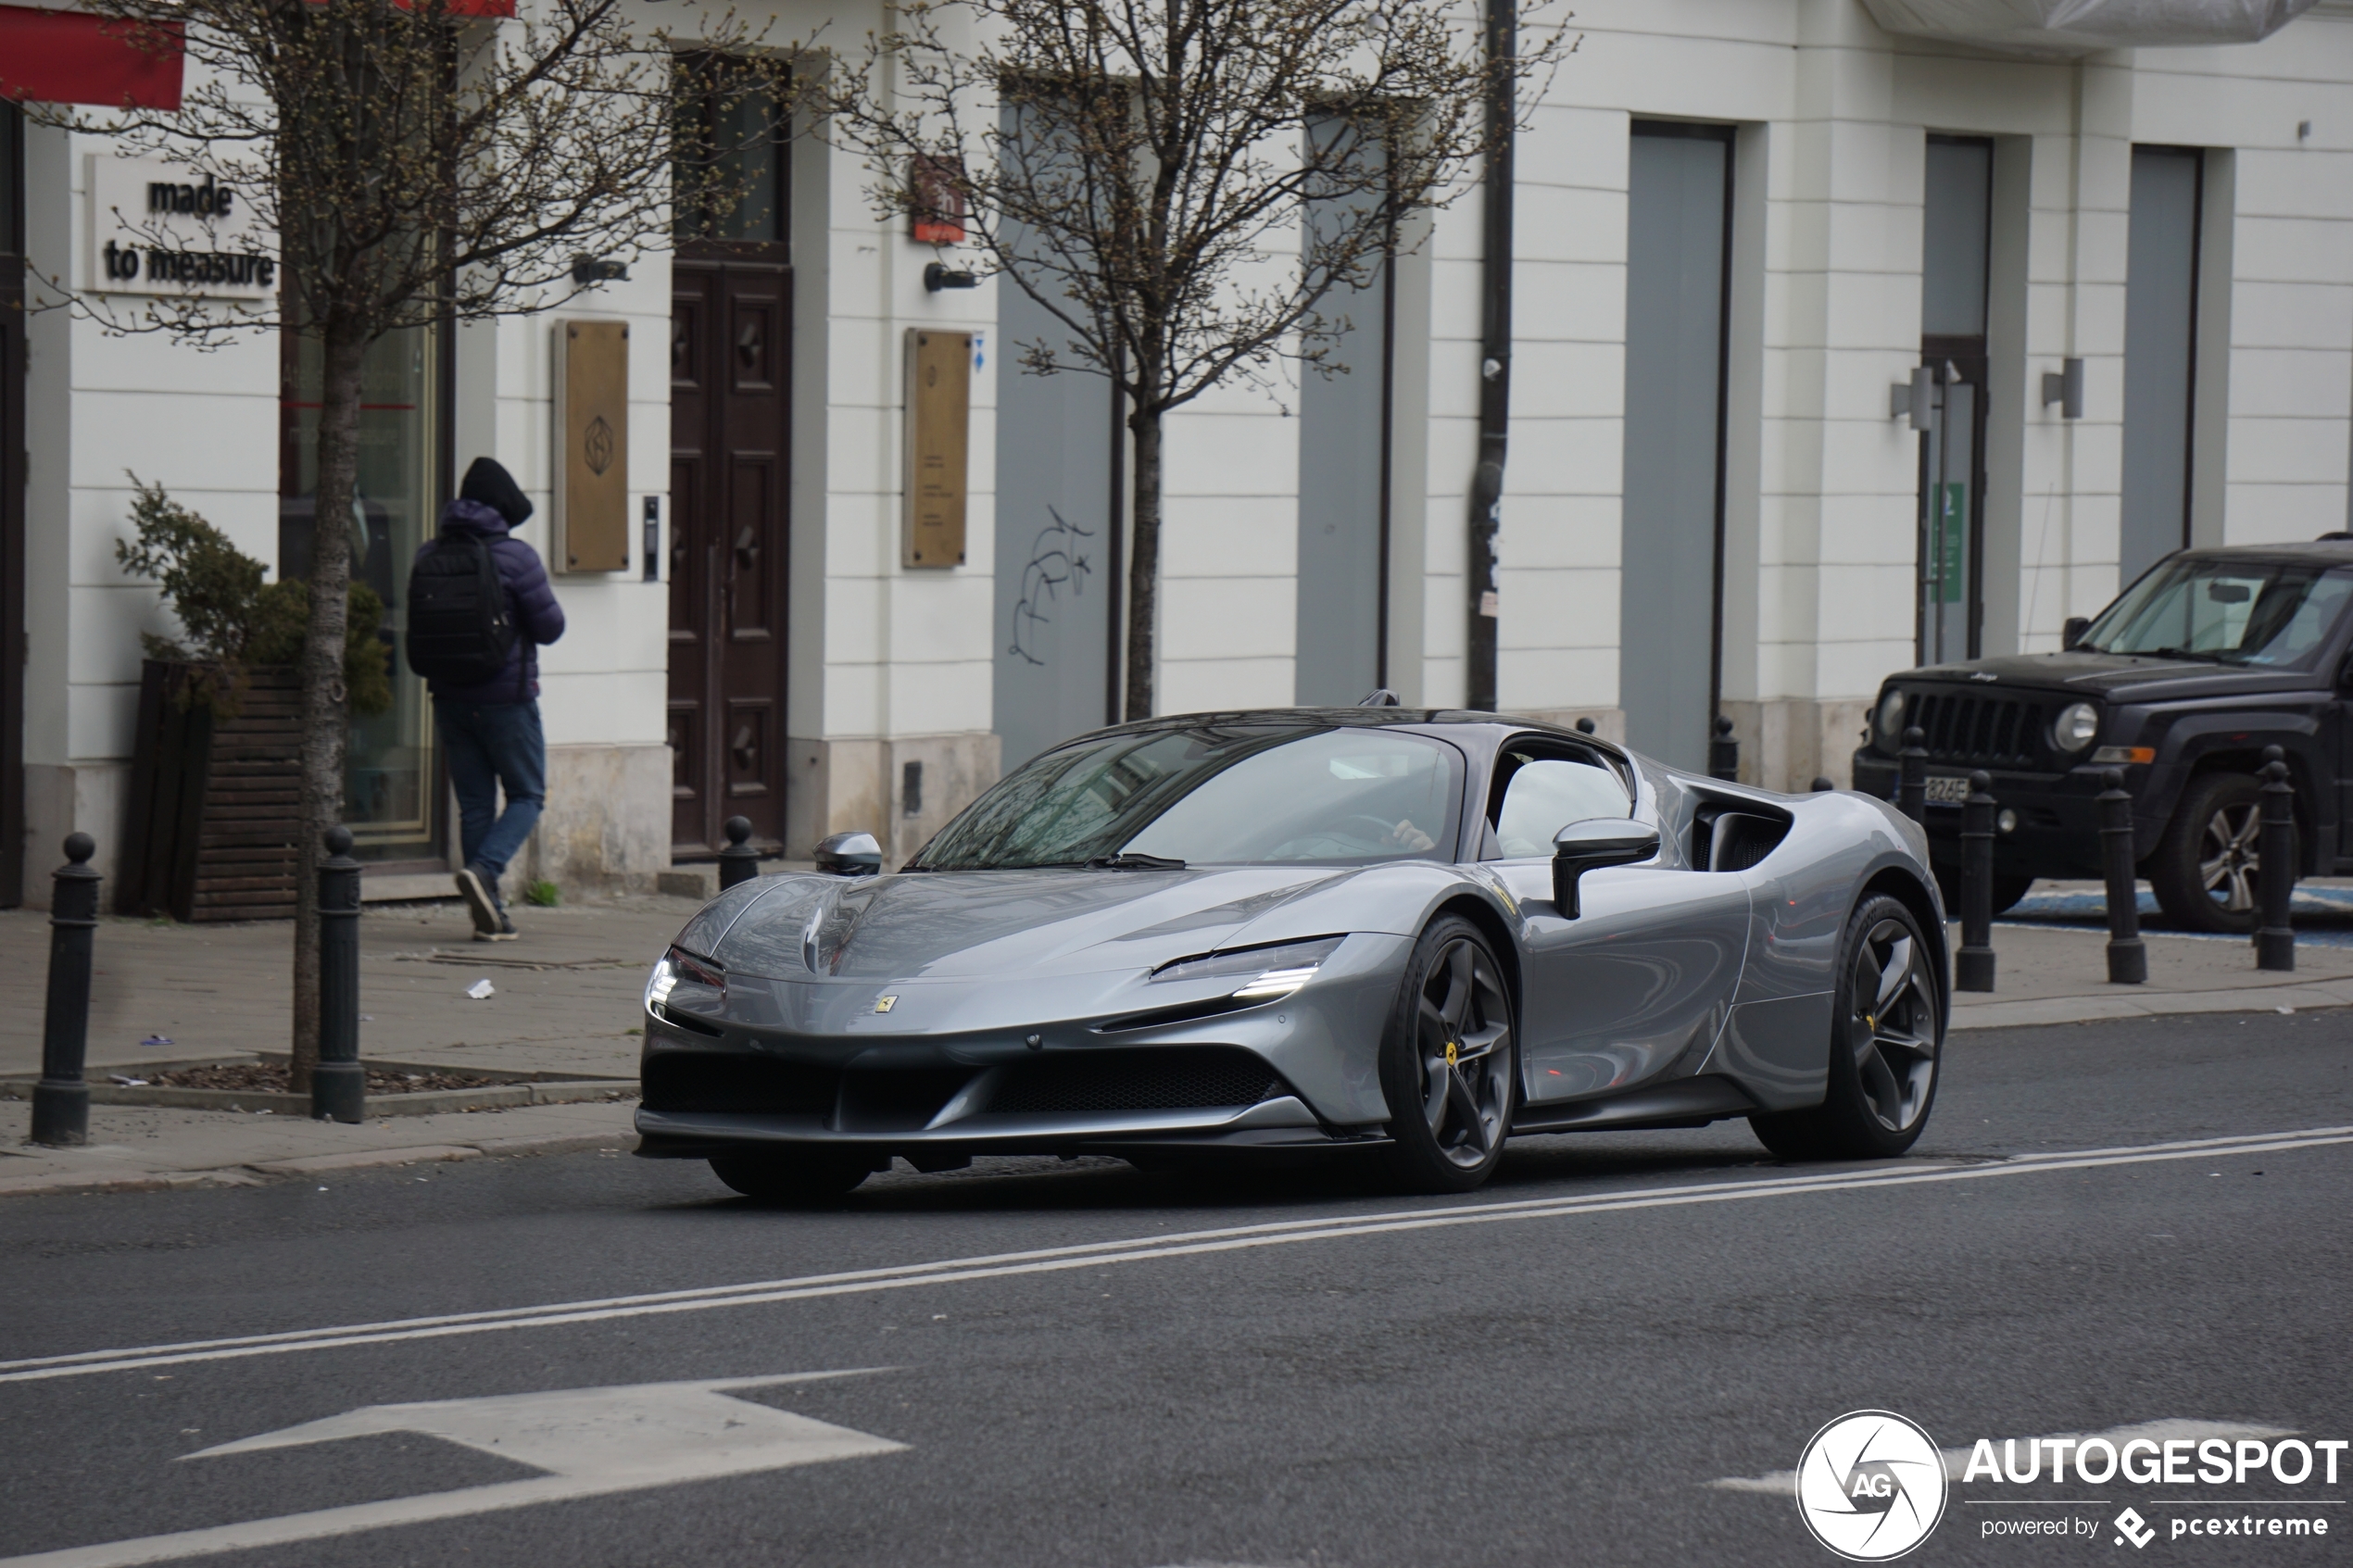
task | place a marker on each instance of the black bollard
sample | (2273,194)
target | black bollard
(1724,753)
(2128,961)
(1585,726)
(740,862)
(1973,967)
(1822,785)
(61,1100)
(1911,789)
(2275,867)
(338,1084)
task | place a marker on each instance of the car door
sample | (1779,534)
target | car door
(1645,974)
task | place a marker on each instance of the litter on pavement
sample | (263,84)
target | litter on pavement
(481,989)
(156,1040)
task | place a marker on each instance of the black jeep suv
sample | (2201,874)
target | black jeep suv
(2210,657)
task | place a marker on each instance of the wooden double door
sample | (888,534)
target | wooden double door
(730,416)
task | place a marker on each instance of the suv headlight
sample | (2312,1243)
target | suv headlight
(1891,719)
(2077,725)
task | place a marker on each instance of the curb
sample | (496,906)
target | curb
(69,1182)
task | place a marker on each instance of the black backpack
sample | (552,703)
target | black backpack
(459,632)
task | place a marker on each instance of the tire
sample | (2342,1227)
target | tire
(1887,1038)
(2206,871)
(1449,1062)
(791,1178)
(2008,891)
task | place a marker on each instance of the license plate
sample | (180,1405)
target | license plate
(1947,790)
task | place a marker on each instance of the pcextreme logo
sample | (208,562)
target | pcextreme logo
(1870,1486)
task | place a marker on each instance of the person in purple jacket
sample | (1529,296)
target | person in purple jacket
(490,733)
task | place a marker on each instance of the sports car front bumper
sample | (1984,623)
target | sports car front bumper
(962,1074)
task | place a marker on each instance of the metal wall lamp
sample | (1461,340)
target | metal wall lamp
(937,276)
(2065,387)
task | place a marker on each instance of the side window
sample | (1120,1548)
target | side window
(1545,790)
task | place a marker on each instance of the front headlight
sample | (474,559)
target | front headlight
(1891,719)
(1268,971)
(2077,726)
(678,965)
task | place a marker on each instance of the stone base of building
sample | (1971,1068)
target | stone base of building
(901,790)
(1608,722)
(1787,744)
(606,828)
(61,798)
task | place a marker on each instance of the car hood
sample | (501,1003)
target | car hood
(966,925)
(2115,677)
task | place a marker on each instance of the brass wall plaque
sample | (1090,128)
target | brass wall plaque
(590,531)
(940,396)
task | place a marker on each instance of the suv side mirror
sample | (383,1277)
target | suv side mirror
(1593,844)
(2072,635)
(849,854)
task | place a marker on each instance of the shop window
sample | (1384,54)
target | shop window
(392,794)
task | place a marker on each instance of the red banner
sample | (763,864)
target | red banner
(71,57)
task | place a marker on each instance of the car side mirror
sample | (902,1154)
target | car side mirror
(1593,844)
(849,854)
(2072,635)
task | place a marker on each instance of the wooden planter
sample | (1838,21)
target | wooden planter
(212,834)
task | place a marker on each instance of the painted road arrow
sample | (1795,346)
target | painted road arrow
(591,1442)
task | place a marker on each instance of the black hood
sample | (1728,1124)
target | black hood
(2111,676)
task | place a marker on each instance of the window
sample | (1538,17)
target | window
(730,137)
(1541,789)
(2225,611)
(1217,794)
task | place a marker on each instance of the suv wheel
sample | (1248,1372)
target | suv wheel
(2008,891)
(2207,870)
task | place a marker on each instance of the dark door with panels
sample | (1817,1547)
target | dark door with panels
(730,376)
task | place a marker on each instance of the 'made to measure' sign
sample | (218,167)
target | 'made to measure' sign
(157,228)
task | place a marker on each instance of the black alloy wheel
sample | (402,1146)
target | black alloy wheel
(1887,1035)
(1449,1062)
(2206,871)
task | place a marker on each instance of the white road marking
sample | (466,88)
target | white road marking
(1783,1483)
(1136,1248)
(591,1441)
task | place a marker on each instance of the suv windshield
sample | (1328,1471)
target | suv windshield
(2230,611)
(1213,795)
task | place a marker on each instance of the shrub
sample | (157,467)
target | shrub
(230,618)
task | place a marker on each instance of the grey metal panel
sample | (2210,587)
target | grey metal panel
(1051,624)
(2161,329)
(1339,492)
(1674,369)
(1955,227)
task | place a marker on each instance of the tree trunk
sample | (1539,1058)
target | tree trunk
(326,725)
(1143,564)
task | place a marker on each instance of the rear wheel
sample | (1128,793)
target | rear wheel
(2207,872)
(1886,1044)
(791,1178)
(1449,1062)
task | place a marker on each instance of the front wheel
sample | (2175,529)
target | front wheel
(1887,1036)
(1449,1062)
(2207,872)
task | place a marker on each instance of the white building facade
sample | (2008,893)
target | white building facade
(1742,226)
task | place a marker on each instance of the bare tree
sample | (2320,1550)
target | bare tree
(1181,185)
(413,161)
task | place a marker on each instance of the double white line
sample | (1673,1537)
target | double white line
(1135,1249)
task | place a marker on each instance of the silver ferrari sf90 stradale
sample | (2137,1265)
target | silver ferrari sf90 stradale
(1306,931)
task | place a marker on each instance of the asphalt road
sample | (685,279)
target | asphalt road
(1553,1382)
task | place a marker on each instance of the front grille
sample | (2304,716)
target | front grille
(750,1086)
(1179,1078)
(1982,731)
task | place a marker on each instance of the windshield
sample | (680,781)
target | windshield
(1216,795)
(2225,610)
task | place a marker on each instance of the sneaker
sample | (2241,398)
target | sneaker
(506,931)
(482,903)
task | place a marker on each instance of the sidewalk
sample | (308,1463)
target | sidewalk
(565,1001)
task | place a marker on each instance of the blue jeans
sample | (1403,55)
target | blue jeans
(494,745)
